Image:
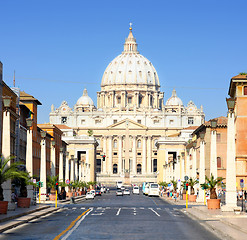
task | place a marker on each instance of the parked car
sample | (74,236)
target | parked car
(122,188)
(93,192)
(119,193)
(126,192)
(89,195)
(136,190)
(97,192)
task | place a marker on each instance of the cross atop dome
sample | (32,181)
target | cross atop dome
(130,27)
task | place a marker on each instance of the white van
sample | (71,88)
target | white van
(154,190)
(119,184)
(136,190)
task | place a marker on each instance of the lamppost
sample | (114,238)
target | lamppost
(231,200)
(202,167)
(213,152)
(60,171)
(43,165)
(53,158)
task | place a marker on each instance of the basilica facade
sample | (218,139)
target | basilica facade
(130,118)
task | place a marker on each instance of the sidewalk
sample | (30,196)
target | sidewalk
(226,225)
(23,215)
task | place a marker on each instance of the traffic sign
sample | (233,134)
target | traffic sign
(186,178)
(242,183)
(67,181)
(34,180)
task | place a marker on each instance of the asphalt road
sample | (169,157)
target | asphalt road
(114,217)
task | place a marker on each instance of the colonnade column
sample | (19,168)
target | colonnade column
(53,159)
(120,154)
(76,169)
(110,155)
(29,161)
(80,170)
(104,153)
(194,175)
(134,155)
(144,154)
(72,171)
(43,169)
(188,163)
(67,166)
(61,165)
(149,154)
(201,171)
(182,166)
(213,154)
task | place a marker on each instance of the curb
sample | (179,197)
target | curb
(3,229)
(23,214)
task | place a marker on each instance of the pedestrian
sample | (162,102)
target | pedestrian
(245,195)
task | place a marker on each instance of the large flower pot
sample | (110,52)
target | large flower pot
(3,207)
(79,193)
(213,203)
(52,197)
(184,196)
(192,198)
(23,202)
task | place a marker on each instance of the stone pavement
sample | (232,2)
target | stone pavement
(226,225)
(23,215)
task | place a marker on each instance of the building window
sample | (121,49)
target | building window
(98,141)
(98,165)
(218,137)
(156,121)
(64,120)
(115,153)
(139,154)
(115,144)
(219,165)
(171,122)
(129,100)
(83,121)
(97,121)
(114,168)
(155,154)
(139,168)
(114,121)
(245,90)
(119,100)
(190,120)
(139,143)
(139,121)
(155,165)
(140,99)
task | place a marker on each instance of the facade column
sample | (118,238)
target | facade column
(201,171)
(6,153)
(144,154)
(67,167)
(110,155)
(177,168)
(43,169)
(88,176)
(76,169)
(61,179)
(53,160)
(120,154)
(80,170)
(149,154)
(231,200)
(134,155)
(104,153)
(29,161)
(188,164)
(194,175)
(182,167)
(213,155)
(72,171)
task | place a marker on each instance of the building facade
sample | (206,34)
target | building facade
(129,118)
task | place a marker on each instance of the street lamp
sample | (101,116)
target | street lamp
(53,143)
(202,135)
(43,134)
(6,101)
(29,122)
(61,149)
(230,104)
(194,144)
(213,123)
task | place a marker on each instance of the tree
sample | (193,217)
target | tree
(174,183)
(212,183)
(10,171)
(163,184)
(192,183)
(51,183)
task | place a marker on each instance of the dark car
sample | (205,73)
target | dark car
(97,192)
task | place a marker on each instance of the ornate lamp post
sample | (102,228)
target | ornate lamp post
(231,200)
(213,152)
(43,165)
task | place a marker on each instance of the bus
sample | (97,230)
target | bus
(154,190)
(119,184)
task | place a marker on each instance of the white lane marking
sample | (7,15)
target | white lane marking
(134,213)
(118,211)
(74,208)
(95,214)
(141,207)
(82,208)
(107,208)
(154,212)
(158,208)
(76,225)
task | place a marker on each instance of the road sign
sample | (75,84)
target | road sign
(34,180)
(242,183)
(67,181)
(186,178)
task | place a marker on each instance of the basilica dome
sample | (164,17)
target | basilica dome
(85,100)
(174,100)
(130,67)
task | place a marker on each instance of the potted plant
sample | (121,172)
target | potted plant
(184,189)
(192,183)
(70,193)
(8,172)
(51,183)
(175,186)
(213,202)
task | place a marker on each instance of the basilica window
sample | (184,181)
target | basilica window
(218,137)
(139,121)
(83,121)
(156,121)
(190,120)
(115,144)
(129,100)
(98,165)
(97,121)
(245,90)
(114,168)
(171,122)
(119,100)
(219,165)
(155,165)
(64,120)
(114,121)
(139,168)
(139,144)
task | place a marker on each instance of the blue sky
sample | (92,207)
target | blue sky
(57,48)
